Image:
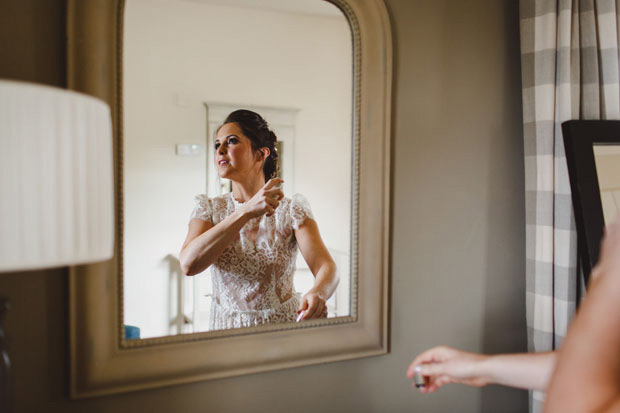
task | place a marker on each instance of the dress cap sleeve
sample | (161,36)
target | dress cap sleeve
(300,210)
(203,209)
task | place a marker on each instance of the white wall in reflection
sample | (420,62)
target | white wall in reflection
(179,55)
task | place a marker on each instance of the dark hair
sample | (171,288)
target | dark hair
(257,130)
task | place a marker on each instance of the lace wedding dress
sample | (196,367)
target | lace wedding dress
(253,277)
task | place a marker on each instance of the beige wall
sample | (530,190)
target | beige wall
(458,227)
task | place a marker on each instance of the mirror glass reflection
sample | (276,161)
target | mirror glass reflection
(187,64)
(607,160)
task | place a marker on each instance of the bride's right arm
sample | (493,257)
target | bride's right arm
(205,241)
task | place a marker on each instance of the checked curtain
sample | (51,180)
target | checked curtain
(569,62)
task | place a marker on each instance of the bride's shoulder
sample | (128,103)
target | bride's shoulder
(213,203)
(299,200)
(293,211)
(296,205)
(223,199)
(293,200)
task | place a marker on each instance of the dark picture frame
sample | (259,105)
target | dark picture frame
(579,138)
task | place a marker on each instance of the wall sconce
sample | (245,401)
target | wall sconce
(56,185)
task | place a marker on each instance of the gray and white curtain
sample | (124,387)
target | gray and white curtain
(569,61)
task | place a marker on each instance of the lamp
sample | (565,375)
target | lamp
(56,185)
(56,180)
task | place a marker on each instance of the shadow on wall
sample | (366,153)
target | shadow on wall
(502,293)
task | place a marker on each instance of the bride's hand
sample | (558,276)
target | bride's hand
(442,364)
(312,305)
(266,200)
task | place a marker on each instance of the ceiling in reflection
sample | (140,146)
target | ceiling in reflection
(307,7)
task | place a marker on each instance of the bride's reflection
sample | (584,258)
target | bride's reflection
(249,237)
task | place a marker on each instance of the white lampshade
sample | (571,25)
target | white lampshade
(56,178)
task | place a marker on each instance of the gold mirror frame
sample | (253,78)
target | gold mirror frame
(103,362)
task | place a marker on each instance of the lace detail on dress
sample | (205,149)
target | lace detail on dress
(253,277)
(300,210)
(202,210)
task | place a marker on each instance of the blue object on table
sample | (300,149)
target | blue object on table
(132,332)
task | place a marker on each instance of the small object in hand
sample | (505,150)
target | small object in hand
(418,379)
(301,314)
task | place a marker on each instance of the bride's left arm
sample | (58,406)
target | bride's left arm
(322,266)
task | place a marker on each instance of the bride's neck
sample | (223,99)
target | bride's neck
(246,189)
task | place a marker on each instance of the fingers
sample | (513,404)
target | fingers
(440,382)
(267,200)
(272,200)
(273,182)
(303,305)
(442,365)
(425,368)
(312,304)
(432,369)
(433,383)
(416,361)
(433,355)
(313,307)
(274,193)
(436,383)
(271,205)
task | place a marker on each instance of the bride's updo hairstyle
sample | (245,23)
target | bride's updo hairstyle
(257,130)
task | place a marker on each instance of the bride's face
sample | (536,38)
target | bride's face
(234,157)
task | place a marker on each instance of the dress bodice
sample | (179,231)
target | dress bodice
(253,277)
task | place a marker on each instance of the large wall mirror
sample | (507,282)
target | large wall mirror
(319,72)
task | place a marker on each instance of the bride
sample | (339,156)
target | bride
(250,237)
